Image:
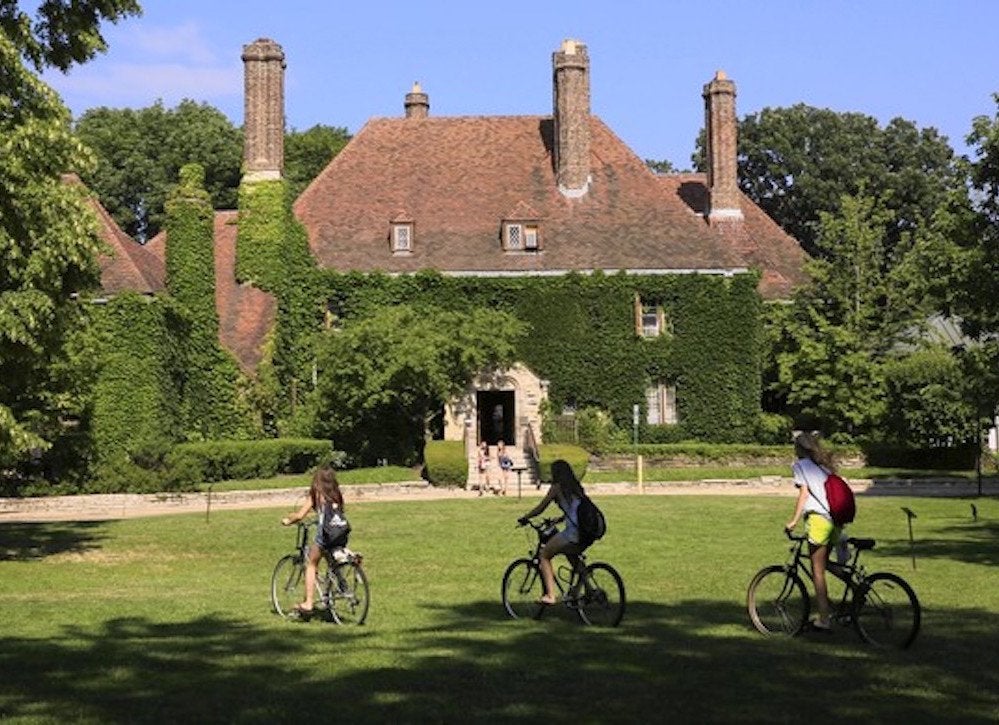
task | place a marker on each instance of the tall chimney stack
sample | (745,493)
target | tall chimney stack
(417,103)
(721,131)
(571,89)
(263,110)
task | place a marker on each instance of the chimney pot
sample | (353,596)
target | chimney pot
(417,104)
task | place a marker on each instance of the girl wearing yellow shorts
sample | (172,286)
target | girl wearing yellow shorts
(810,470)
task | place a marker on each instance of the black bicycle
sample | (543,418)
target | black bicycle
(881,607)
(595,591)
(342,594)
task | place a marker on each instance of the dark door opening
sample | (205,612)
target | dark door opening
(496,416)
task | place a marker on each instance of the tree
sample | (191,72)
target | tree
(800,161)
(48,236)
(851,317)
(661,167)
(140,154)
(306,153)
(383,378)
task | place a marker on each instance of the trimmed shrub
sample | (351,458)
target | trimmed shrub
(446,463)
(225,460)
(575,456)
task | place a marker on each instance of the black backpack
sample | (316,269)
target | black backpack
(336,528)
(590,521)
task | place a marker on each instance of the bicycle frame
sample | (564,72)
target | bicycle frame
(545,531)
(851,572)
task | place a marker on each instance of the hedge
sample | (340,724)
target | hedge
(224,460)
(578,458)
(446,463)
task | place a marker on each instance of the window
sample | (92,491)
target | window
(521,237)
(402,238)
(651,320)
(514,233)
(661,401)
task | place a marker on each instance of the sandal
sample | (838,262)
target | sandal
(303,612)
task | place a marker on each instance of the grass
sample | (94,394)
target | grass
(167,619)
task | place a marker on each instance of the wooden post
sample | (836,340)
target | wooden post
(640,470)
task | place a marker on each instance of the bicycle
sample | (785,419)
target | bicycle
(594,591)
(881,607)
(341,585)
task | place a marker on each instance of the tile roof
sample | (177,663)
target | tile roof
(758,239)
(246,314)
(129,267)
(459,178)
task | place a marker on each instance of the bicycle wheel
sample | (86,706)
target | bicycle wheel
(777,601)
(287,584)
(522,588)
(601,601)
(349,596)
(886,612)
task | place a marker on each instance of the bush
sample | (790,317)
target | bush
(224,460)
(575,456)
(596,429)
(773,429)
(654,434)
(446,463)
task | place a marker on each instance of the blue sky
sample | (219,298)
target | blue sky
(929,61)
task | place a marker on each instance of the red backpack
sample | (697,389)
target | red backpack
(842,506)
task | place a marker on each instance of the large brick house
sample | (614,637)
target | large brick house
(494,196)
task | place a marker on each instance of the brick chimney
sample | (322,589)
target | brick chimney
(417,103)
(263,110)
(571,90)
(721,131)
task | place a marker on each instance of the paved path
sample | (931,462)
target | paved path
(100,507)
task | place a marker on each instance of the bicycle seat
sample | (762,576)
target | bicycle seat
(863,544)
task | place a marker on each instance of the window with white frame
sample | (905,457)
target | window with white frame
(402,238)
(661,400)
(654,321)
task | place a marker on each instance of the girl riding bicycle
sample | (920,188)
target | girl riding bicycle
(566,492)
(810,470)
(325,499)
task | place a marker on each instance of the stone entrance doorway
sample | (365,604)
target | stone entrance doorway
(497,415)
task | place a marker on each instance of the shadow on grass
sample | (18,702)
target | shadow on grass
(694,661)
(970,542)
(25,542)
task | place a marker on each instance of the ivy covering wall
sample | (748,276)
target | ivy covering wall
(136,396)
(215,400)
(583,338)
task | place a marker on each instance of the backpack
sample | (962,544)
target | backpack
(336,528)
(842,506)
(590,522)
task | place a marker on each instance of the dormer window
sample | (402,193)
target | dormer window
(402,238)
(521,237)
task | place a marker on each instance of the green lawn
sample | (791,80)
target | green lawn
(167,619)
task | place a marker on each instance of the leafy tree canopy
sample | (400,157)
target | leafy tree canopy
(306,153)
(140,154)
(800,161)
(62,32)
(48,236)
(384,377)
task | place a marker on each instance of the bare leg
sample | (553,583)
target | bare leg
(820,556)
(310,577)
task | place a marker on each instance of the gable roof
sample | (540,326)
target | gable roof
(460,177)
(130,267)
(246,314)
(758,239)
